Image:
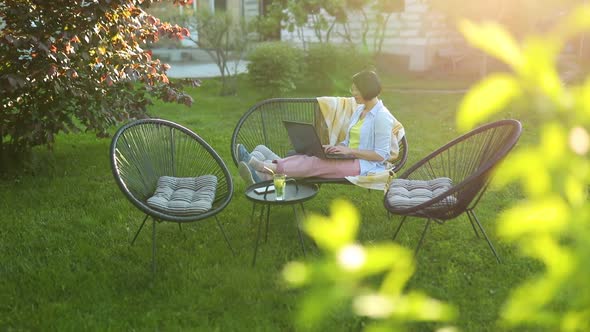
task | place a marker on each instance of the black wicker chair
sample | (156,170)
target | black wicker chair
(263,124)
(451,180)
(144,150)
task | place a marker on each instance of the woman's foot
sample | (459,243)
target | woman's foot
(259,165)
(248,174)
(243,154)
(263,170)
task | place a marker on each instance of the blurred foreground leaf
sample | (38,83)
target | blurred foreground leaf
(338,281)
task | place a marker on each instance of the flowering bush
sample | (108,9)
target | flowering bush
(70,65)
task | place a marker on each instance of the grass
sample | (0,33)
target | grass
(66,262)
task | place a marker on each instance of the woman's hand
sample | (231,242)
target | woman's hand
(359,154)
(338,149)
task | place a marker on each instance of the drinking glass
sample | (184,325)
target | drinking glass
(279,181)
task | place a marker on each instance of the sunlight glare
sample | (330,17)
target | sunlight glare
(352,257)
(579,140)
(373,305)
(295,273)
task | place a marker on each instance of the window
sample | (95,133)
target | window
(220,5)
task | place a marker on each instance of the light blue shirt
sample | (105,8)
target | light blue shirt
(375,135)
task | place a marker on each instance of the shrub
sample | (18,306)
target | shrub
(68,67)
(328,64)
(275,67)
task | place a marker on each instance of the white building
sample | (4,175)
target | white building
(416,32)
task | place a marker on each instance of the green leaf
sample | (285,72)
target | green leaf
(545,216)
(486,98)
(382,257)
(540,72)
(336,231)
(527,300)
(576,189)
(553,144)
(296,274)
(577,21)
(494,40)
(416,306)
(318,303)
(517,166)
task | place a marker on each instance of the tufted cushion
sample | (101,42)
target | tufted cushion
(404,194)
(184,196)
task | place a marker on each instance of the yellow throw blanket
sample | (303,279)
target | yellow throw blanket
(337,112)
(373,180)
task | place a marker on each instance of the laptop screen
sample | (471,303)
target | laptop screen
(304,138)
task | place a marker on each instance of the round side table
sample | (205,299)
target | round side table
(295,194)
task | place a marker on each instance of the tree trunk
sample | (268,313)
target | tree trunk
(14,159)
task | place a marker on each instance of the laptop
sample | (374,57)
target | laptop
(305,140)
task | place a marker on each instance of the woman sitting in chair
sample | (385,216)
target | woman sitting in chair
(368,139)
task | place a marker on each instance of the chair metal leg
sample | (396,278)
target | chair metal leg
(422,237)
(258,235)
(225,236)
(180,228)
(297,224)
(154,247)
(471,222)
(140,228)
(253,209)
(303,210)
(313,243)
(486,236)
(399,227)
(267,223)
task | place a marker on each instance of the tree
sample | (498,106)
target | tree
(384,10)
(223,39)
(268,25)
(328,17)
(67,66)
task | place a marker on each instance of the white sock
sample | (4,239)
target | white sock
(258,165)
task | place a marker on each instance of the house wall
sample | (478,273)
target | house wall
(238,8)
(417,32)
(247,9)
(234,7)
(250,9)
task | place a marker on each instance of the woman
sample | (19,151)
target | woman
(368,138)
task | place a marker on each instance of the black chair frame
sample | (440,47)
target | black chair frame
(144,150)
(493,142)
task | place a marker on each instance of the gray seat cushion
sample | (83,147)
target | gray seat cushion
(404,194)
(184,196)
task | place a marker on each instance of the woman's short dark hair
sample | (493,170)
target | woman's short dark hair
(368,84)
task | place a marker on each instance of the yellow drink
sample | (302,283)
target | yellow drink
(279,182)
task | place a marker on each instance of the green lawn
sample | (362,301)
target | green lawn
(66,262)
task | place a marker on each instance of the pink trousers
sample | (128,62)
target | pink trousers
(302,166)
